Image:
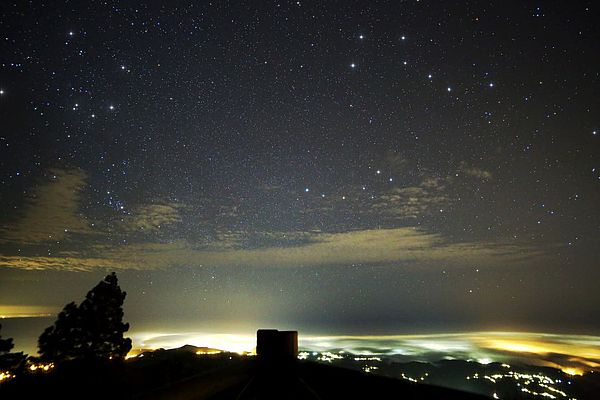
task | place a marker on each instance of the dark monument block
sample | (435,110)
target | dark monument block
(273,344)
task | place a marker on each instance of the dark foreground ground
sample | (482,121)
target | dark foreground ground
(184,375)
(304,380)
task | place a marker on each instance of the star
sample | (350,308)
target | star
(257,116)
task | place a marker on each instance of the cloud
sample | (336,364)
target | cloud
(153,217)
(52,213)
(66,263)
(399,246)
(571,353)
(413,201)
(474,172)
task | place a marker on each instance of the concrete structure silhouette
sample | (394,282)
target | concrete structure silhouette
(272,344)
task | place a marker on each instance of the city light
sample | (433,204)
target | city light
(5,375)
(41,367)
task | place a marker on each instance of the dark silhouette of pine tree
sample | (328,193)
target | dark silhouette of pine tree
(9,361)
(64,340)
(6,345)
(92,330)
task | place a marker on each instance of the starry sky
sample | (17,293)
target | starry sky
(333,166)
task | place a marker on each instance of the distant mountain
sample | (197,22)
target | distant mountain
(185,349)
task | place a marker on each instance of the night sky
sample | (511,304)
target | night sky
(334,166)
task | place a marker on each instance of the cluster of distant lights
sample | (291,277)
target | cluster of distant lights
(41,367)
(32,368)
(526,382)
(5,375)
(533,384)
(414,380)
(330,357)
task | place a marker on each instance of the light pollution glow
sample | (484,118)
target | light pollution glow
(18,311)
(573,354)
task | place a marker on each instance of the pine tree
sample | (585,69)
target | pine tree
(92,330)
(65,339)
(9,361)
(6,345)
(102,317)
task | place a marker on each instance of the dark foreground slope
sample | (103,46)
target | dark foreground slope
(302,380)
(181,374)
(317,381)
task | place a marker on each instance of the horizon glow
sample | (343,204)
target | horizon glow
(483,347)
